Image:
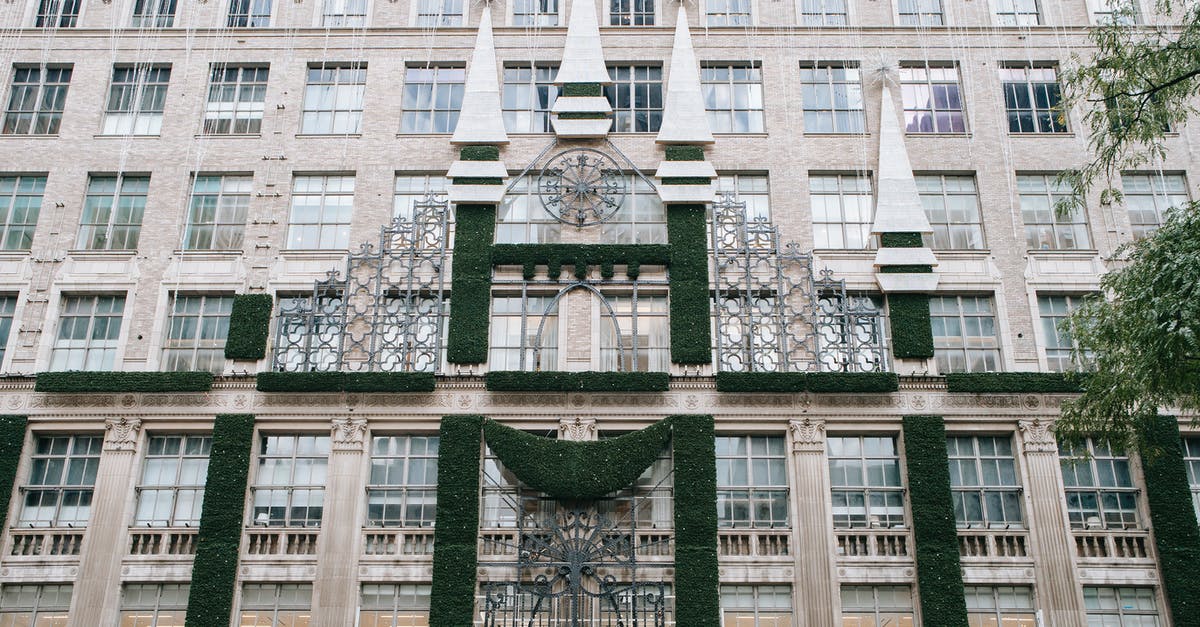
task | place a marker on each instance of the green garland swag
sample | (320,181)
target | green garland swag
(452,597)
(249,325)
(912,333)
(1176,534)
(12,441)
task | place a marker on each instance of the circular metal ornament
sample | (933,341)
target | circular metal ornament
(582,186)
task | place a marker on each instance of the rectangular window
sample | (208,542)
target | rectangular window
(88,330)
(196,333)
(1099,487)
(43,606)
(631,12)
(865,474)
(964,334)
(868,606)
(440,12)
(1010,606)
(36,100)
(20,206)
(1191,457)
(402,489)
(1125,12)
(751,189)
(432,99)
(8,307)
(153,13)
(322,207)
(728,12)
(648,349)
(983,478)
(217,212)
(394,604)
(920,13)
(343,13)
(1059,345)
(307,332)
(57,13)
(756,606)
(1017,12)
(823,13)
(112,212)
(333,99)
(514,336)
(61,476)
(636,98)
(1120,607)
(932,96)
(528,94)
(522,219)
(171,491)
(153,605)
(235,100)
(733,96)
(249,14)
(1043,197)
(1033,99)
(276,604)
(535,13)
(752,485)
(135,100)
(952,206)
(641,219)
(412,189)
(843,207)
(1149,198)
(833,97)
(289,485)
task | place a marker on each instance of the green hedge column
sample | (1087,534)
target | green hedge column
(12,440)
(214,571)
(249,324)
(691,332)
(1174,521)
(912,334)
(697,584)
(471,286)
(452,599)
(939,578)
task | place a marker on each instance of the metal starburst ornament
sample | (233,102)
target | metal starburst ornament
(582,187)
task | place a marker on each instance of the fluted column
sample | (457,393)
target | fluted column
(817,596)
(97,593)
(336,591)
(1057,580)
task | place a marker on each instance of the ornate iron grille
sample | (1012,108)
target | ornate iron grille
(773,315)
(384,311)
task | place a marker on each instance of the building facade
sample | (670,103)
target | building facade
(260,260)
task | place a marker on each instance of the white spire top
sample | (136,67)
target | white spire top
(583,58)
(684,119)
(478,120)
(898,208)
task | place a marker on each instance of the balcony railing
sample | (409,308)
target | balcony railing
(873,544)
(1113,545)
(754,543)
(58,544)
(398,542)
(162,542)
(285,543)
(496,543)
(992,544)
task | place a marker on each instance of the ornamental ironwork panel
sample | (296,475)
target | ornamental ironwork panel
(773,314)
(384,311)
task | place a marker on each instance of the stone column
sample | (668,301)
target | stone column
(1058,592)
(97,594)
(818,597)
(335,591)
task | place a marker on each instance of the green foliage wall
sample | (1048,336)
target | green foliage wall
(912,334)
(1014,382)
(72,382)
(691,332)
(697,579)
(556,381)
(452,598)
(335,381)
(943,601)
(471,284)
(901,240)
(793,382)
(12,441)
(1176,534)
(214,571)
(249,326)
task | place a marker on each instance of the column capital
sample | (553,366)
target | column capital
(1038,436)
(348,434)
(121,434)
(577,428)
(808,435)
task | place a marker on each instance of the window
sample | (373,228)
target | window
(432,99)
(153,13)
(249,13)
(412,189)
(135,100)
(920,13)
(1042,199)
(932,97)
(651,342)
(728,12)
(289,487)
(343,13)
(823,13)
(112,212)
(756,606)
(952,207)
(1011,606)
(217,212)
(1149,198)
(196,333)
(1099,486)
(868,606)
(1191,457)
(402,490)
(1125,12)
(529,92)
(1120,607)
(631,12)
(235,100)
(394,605)
(983,477)
(641,219)
(833,98)
(321,210)
(57,13)
(153,605)
(171,491)
(307,332)
(964,334)
(843,207)
(865,474)
(733,97)
(752,486)
(535,12)
(1033,99)
(523,220)
(276,604)
(333,100)
(636,98)
(20,205)
(8,307)
(514,336)
(43,606)
(36,100)
(1017,12)
(1059,345)
(62,473)
(88,329)
(440,12)
(751,189)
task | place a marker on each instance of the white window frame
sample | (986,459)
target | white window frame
(441,80)
(445,20)
(1031,85)
(204,322)
(880,612)
(109,350)
(965,343)
(237,110)
(1048,332)
(863,227)
(136,119)
(943,14)
(232,197)
(848,16)
(351,117)
(730,109)
(613,17)
(535,113)
(315,488)
(944,196)
(161,14)
(400,453)
(1100,12)
(997,5)
(81,449)
(295,612)
(867,488)
(1161,192)
(189,475)
(997,612)
(1191,459)
(1118,609)
(38,613)
(1129,514)
(977,461)
(170,611)
(28,187)
(759,490)
(107,228)
(343,18)
(763,615)
(340,235)
(726,16)
(933,109)
(652,310)
(636,106)
(540,18)
(251,17)
(409,604)
(853,115)
(57,14)
(1069,232)
(40,111)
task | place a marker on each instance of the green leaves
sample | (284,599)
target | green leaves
(249,322)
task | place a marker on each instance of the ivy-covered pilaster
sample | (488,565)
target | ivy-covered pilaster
(471,285)
(912,331)
(249,325)
(12,441)
(1176,535)
(697,580)
(452,599)
(691,330)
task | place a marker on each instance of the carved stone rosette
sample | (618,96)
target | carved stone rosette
(121,434)
(1038,436)
(808,436)
(577,428)
(348,434)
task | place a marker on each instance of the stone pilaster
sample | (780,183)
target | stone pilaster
(339,546)
(816,594)
(1057,579)
(98,585)
(577,428)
